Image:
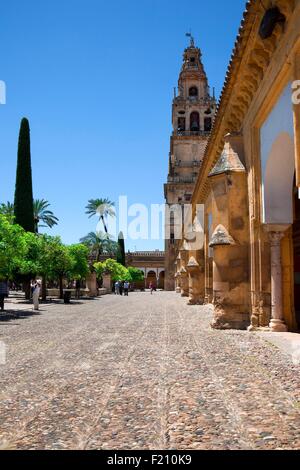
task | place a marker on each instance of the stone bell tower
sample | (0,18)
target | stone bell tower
(193,110)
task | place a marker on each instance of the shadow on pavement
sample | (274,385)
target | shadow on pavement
(9,315)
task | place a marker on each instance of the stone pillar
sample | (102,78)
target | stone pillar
(184,279)
(277,323)
(184,282)
(107,282)
(230,238)
(91,283)
(196,275)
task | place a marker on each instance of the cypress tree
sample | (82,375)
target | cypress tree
(23,205)
(121,251)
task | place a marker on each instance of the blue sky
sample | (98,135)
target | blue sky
(95,79)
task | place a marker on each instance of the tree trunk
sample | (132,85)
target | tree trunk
(26,289)
(61,288)
(44,288)
(104,224)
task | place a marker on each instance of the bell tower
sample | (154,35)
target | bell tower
(193,109)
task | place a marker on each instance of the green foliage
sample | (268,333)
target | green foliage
(103,207)
(136,274)
(100,243)
(79,256)
(23,204)
(43,214)
(30,265)
(25,254)
(115,269)
(56,261)
(12,247)
(121,258)
(8,211)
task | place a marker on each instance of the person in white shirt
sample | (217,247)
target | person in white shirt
(36,294)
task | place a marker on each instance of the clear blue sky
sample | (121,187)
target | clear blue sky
(95,78)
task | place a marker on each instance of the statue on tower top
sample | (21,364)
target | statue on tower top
(192,41)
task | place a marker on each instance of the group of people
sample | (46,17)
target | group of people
(122,287)
(35,287)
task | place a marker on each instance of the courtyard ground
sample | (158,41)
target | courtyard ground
(143,372)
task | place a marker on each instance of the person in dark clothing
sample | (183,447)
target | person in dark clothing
(3,293)
(121,288)
(126,288)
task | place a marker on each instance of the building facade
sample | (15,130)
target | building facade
(152,263)
(248,184)
(192,114)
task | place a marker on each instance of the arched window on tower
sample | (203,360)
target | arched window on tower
(181,124)
(193,92)
(207,124)
(195,122)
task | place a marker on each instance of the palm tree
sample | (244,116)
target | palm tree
(8,211)
(103,207)
(99,244)
(42,213)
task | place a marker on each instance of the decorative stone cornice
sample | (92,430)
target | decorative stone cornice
(248,64)
(221,237)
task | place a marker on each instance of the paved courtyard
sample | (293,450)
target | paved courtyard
(143,372)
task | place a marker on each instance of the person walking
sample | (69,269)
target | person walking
(151,287)
(121,287)
(36,295)
(3,293)
(126,288)
(117,285)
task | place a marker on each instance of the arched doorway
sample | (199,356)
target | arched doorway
(161,280)
(151,278)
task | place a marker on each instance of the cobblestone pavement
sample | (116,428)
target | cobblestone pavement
(143,372)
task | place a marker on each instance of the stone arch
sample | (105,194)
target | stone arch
(193,91)
(195,121)
(161,279)
(151,277)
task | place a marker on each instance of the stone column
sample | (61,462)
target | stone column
(184,279)
(196,282)
(177,283)
(277,322)
(184,282)
(107,282)
(91,283)
(230,237)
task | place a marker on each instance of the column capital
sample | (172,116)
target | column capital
(275,238)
